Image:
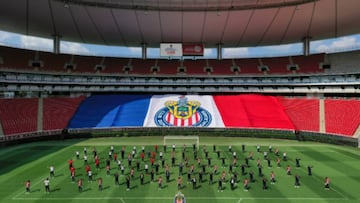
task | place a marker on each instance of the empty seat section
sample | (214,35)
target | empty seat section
(168,66)
(304,113)
(221,67)
(86,64)
(58,111)
(248,66)
(16,58)
(142,67)
(342,116)
(18,115)
(115,65)
(277,64)
(309,64)
(54,62)
(194,67)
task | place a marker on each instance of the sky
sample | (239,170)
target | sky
(340,44)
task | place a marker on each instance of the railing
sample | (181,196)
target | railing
(163,131)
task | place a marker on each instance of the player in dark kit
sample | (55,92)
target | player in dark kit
(127,183)
(264,183)
(152,175)
(220,182)
(297,181)
(232,183)
(251,176)
(194,182)
(309,169)
(211,178)
(167,174)
(116,177)
(141,178)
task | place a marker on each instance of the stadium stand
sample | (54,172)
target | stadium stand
(304,113)
(309,64)
(16,58)
(58,111)
(115,65)
(195,67)
(277,65)
(222,67)
(342,116)
(168,66)
(22,59)
(52,62)
(18,115)
(248,66)
(85,64)
(142,67)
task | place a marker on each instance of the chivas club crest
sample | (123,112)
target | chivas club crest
(179,198)
(183,113)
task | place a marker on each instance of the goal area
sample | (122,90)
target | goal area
(179,141)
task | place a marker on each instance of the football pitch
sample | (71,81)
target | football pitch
(31,161)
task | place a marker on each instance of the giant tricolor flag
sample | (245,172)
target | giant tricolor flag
(250,111)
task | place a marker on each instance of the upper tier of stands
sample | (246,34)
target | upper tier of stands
(35,60)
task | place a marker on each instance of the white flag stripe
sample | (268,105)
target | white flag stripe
(207,103)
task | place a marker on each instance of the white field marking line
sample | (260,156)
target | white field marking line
(170,198)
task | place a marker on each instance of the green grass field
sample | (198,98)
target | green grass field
(32,161)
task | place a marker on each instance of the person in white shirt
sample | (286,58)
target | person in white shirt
(90,175)
(47,185)
(85,159)
(52,172)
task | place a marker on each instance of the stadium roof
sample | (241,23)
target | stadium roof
(233,23)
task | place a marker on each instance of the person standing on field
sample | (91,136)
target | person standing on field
(27,186)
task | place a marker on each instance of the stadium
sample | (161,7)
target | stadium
(172,123)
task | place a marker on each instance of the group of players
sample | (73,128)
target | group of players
(152,165)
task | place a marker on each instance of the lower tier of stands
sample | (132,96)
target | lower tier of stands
(18,115)
(304,113)
(341,117)
(58,111)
